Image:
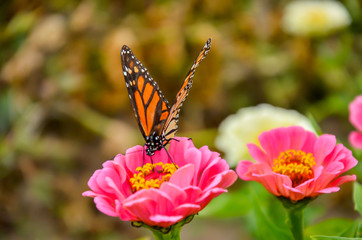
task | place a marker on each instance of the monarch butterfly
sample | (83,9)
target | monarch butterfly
(156,120)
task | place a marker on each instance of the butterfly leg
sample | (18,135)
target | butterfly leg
(190,139)
(169,156)
(143,161)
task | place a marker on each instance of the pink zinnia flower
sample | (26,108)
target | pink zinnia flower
(355,117)
(295,163)
(160,194)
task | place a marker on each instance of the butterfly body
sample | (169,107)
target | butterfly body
(156,119)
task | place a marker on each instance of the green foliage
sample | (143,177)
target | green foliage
(354,231)
(329,237)
(357,197)
(267,227)
(232,204)
(332,226)
(315,125)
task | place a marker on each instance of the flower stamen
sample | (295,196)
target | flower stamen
(298,165)
(152,175)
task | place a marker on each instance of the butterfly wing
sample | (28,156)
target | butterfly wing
(149,105)
(170,126)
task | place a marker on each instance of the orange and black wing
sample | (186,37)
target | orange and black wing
(149,105)
(170,126)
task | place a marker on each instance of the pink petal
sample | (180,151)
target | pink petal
(183,176)
(326,190)
(192,154)
(92,183)
(274,183)
(294,193)
(135,157)
(307,187)
(193,193)
(273,142)
(209,195)
(123,213)
(242,169)
(115,188)
(186,209)
(164,202)
(178,146)
(323,146)
(259,155)
(324,179)
(89,194)
(164,220)
(355,139)
(340,160)
(222,180)
(349,161)
(247,169)
(318,171)
(161,156)
(297,136)
(228,178)
(177,194)
(309,142)
(216,167)
(355,113)
(101,180)
(105,205)
(344,179)
(207,157)
(143,208)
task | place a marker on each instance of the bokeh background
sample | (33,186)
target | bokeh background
(64,107)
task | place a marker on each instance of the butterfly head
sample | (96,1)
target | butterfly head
(154,143)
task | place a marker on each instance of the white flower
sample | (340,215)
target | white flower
(248,123)
(314,17)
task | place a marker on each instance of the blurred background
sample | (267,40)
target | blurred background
(64,108)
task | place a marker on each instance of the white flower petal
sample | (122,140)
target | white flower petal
(314,18)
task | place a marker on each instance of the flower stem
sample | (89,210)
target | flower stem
(296,215)
(296,223)
(174,234)
(169,233)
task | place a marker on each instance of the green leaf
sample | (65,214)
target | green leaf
(352,230)
(231,204)
(358,233)
(314,123)
(317,237)
(357,197)
(265,226)
(333,226)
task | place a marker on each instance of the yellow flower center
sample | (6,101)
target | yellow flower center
(318,16)
(295,164)
(152,175)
